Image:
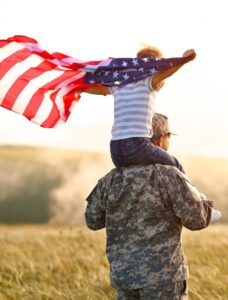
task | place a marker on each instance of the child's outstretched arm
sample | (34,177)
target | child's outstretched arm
(97,90)
(157,79)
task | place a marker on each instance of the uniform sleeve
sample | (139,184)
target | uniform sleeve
(187,202)
(95,210)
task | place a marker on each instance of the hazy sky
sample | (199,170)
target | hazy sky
(195,98)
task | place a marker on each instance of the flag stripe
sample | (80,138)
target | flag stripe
(8,49)
(60,108)
(73,78)
(31,89)
(44,109)
(9,78)
(17,78)
(8,63)
(36,100)
(54,115)
(69,100)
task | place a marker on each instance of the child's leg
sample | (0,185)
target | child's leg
(177,164)
(116,153)
(151,154)
(140,151)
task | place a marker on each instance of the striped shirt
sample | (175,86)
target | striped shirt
(133,110)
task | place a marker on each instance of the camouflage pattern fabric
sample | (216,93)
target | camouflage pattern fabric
(173,291)
(144,209)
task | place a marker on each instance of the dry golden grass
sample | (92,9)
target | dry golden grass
(46,262)
(207,254)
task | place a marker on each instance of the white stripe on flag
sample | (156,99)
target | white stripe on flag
(59,123)
(59,100)
(60,105)
(70,60)
(92,68)
(36,83)
(58,62)
(9,49)
(69,80)
(73,103)
(15,72)
(33,47)
(44,109)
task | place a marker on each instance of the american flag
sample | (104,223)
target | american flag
(44,86)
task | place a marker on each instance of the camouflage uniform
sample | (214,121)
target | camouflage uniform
(172,291)
(143,209)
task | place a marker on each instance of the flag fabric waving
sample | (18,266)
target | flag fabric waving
(44,86)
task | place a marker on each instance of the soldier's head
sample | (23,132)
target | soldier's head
(161,132)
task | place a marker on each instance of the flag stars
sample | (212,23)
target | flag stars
(115,74)
(126,76)
(124,64)
(145,59)
(135,62)
(92,81)
(153,70)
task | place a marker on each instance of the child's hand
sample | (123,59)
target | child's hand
(190,53)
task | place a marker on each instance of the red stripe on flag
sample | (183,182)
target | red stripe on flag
(12,60)
(68,100)
(21,39)
(54,115)
(21,82)
(32,108)
(3,43)
(37,98)
(59,56)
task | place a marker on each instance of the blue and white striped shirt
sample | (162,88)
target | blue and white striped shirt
(133,110)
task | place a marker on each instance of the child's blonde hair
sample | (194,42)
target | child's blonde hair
(149,51)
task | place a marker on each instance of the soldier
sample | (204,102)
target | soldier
(144,209)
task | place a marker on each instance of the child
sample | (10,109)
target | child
(133,111)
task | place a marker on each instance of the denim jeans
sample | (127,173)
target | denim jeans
(140,151)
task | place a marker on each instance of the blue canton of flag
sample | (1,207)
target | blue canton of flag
(121,71)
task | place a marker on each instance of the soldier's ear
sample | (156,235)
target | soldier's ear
(160,142)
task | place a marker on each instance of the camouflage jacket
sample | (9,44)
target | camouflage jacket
(144,209)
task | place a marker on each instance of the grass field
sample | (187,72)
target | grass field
(67,262)
(43,262)
(40,185)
